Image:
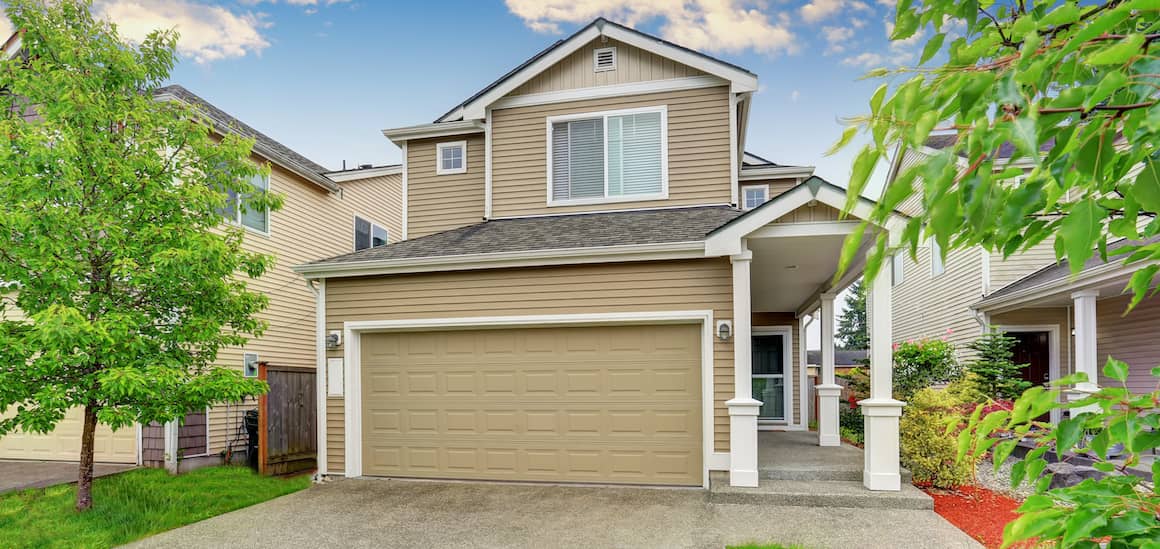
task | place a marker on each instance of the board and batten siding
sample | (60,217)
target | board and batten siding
(578,70)
(698,145)
(437,203)
(700,284)
(932,307)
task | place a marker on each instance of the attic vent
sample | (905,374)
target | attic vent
(604,59)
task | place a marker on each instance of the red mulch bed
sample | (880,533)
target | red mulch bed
(979,512)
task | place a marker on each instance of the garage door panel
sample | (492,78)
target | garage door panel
(64,443)
(593,404)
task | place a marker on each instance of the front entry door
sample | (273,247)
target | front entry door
(1032,349)
(769,376)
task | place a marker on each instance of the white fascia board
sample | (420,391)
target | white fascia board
(355,175)
(741,81)
(534,258)
(438,129)
(615,90)
(780,172)
(1108,272)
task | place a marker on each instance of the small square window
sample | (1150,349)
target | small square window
(753,196)
(250,365)
(451,158)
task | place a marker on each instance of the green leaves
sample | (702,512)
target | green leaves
(1119,53)
(1079,232)
(1116,370)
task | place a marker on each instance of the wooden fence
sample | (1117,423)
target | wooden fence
(287,422)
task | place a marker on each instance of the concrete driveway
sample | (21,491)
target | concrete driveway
(23,474)
(391,513)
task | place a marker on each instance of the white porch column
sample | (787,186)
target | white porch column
(828,390)
(170,445)
(743,409)
(1085,346)
(881,470)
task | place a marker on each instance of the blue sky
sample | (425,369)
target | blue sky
(326,76)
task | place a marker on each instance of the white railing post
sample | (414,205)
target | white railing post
(828,391)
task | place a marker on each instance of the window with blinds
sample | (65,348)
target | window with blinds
(608,156)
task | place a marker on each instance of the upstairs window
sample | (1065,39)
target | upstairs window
(368,234)
(451,158)
(896,265)
(243,212)
(937,263)
(754,196)
(613,156)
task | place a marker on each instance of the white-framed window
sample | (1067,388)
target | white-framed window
(250,364)
(368,234)
(937,263)
(896,263)
(611,156)
(242,212)
(753,196)
(451,158)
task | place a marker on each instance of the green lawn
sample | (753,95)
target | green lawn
(132,505)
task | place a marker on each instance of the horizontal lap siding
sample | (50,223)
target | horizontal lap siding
(577,70)
(1131,338)
(926,306)
(698,128)
(776,186)
(1021,264)
(379,199)
(436,203)
(704,284)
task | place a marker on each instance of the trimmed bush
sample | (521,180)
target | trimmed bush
(921,363)
(851,425)
(928,449)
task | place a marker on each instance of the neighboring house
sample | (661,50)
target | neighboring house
(1062,324)
(323,211)
(844,359)
(598,285)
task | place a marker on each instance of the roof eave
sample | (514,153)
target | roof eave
(438,129)
(1094,275)
(749,174)
(559,256)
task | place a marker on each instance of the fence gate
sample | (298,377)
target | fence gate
(287,421)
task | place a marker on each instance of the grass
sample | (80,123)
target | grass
(132,505)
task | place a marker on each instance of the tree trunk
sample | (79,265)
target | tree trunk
(85,479)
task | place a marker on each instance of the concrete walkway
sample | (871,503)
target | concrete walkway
(24,474)
(393,513)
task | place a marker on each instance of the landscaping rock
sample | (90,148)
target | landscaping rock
(1067,474)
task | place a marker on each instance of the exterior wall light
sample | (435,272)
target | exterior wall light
(724,330)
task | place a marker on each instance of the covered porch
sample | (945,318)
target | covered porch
(785,256)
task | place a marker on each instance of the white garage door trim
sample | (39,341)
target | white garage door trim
(353,357)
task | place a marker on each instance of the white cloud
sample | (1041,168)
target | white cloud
(817,10)
(858,23)
(888,3)
(794,95)
(709,25)
(208,33)
(837,38)
(866,60)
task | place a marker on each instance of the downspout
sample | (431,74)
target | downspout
(318,287)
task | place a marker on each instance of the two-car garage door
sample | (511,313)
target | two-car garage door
(605,404)
(64,443)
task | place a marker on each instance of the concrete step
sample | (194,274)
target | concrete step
(823,474)
(801,493)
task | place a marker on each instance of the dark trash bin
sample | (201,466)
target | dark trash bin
(251,423)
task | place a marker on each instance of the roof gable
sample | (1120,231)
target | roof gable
(474,107)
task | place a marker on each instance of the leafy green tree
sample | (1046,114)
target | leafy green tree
(919,364)
(993,372)
(111,235)
(1117,510)
(1071,87)
(852,334)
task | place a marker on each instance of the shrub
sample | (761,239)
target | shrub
(994,374)
(922,363)
(851,424)
(928,434)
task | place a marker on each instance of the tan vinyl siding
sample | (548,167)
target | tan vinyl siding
(926,306)
(1130,338)
(1044,316)
(1021,264)
(811,214)
(788,319)
(912,206)
(436,203)
(379,199)
(632,65)
(704,284)
(776,186)
(698,144)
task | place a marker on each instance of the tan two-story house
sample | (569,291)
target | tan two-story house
(323,211)
(597,284)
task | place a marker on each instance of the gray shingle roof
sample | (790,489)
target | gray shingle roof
(556,232)
(1006,150)
(842,357)
(1062,270)
(263,144)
